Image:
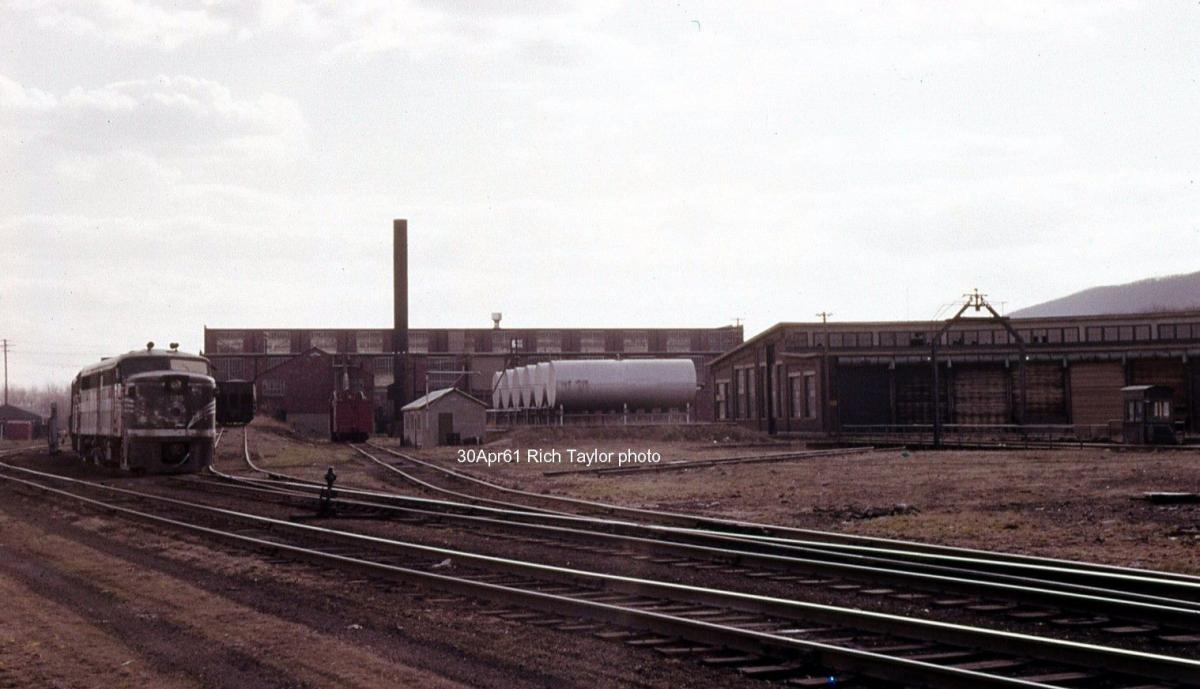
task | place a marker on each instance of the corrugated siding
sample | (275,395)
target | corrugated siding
(980,395)
(1046,400)
(1096,392)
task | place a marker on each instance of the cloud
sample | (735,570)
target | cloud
(130,22)
(141,141)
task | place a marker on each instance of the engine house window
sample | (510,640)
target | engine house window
(636,342)
(277,343)
(324,341)
(371,342)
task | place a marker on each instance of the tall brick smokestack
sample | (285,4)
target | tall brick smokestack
(399,318)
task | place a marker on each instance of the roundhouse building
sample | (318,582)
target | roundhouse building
(815,377)
(464,358)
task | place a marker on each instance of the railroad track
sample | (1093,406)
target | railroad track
(805,643)
(1106,602)
(774,536)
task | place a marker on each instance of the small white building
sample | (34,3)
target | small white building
(444,417)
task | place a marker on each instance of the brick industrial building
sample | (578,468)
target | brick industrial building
(431,359)
(249,354)
(815,377)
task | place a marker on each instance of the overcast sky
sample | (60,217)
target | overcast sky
(238,164)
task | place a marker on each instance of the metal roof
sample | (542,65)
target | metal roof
(11,412)
(428,399)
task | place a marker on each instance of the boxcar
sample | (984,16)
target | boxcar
(236,402)
(351,417)
(149,411)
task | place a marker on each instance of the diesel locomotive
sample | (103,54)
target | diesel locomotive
(149,411)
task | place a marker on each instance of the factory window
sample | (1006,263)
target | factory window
(796,394)
(456,340)
(740,398)
(636,342)
(549,342)
(722,400)
(382,365)
(810,396)
(795,341)
(231,345)
(1166,332)
(1070,334)
(277,343)
(916,340)
(591,342)
(1093,334)
(679,342)
(887,339)
(777,400)
(1141,333)
(1125,333)
(324,341)
(835,339)
(368,342)
(1110,333)
(418,343)
(751,395)
(233,368)
(274,387)
(1054,335)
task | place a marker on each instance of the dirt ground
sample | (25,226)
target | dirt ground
(1078,504)
(93,601)
(97,602)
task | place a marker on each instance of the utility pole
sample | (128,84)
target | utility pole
(5,345)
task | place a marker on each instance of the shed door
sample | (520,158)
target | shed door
(445,427)
(1046,401)
(980,395)
(1096,392)
(914,395)
(864,395)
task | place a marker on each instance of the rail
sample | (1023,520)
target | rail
(774,643)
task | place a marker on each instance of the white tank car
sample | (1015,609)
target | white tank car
(607,384)
(148,411)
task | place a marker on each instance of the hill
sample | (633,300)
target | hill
(1170,293)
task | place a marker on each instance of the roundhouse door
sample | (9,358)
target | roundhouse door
(445,427)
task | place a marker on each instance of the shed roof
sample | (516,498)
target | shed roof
(10,412)
(432,397)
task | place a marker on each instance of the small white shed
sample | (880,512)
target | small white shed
(444,417)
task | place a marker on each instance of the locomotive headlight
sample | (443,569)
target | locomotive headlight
(176,385)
